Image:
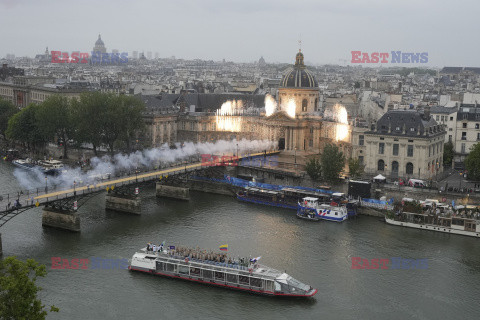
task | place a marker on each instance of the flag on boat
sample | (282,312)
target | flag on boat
(224,247)
(254,260)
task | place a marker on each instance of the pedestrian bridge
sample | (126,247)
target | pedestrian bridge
(15,203)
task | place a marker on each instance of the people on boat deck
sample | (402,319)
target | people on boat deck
(197,253)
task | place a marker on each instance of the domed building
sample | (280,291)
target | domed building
(299,84)
(99,46)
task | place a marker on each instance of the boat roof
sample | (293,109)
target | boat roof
(310,199)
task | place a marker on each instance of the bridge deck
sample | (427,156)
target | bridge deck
(34,199)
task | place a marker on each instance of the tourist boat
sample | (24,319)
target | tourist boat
(52,167)
(332,212)
(308,214)
(246,276)
(26,164)
(446,224)
(284,198)
(265,197)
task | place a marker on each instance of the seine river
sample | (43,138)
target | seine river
(319,254)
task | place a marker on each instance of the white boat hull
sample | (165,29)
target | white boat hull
(433,228)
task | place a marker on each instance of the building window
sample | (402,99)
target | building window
(430,151)
(360,160)
(361,140)
(450,138)
(316,104)
(437,117)
(464,136)
(451,118)
(477,125)
(410,150)
(311,130)
(478,136)
(310,143)
(395,149)
(214,126)
(204,126)
(381,148)
(192,126)
(412,129)
(409,168)
(395,166)
(463,148)
(464,125)
(381,165)
(304,105)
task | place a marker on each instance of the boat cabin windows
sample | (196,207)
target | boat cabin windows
(470,226)
(219,276)
(195,272)
(160,266)
(170,267)
(458,222)
(232,278)
(243,280)
(255,282)
(183,269)
(208,274)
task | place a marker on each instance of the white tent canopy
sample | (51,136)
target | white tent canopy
(379,177)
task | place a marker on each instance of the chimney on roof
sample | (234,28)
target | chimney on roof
(426,113)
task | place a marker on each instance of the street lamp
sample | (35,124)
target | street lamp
(46,186)
(74,192)
(237,150)
(295,155)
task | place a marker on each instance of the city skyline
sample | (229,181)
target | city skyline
(244,31)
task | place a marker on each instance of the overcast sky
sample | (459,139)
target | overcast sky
(244,30)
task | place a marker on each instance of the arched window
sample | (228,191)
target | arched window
(409,168)
(304,105)
(381,165)
(395,166)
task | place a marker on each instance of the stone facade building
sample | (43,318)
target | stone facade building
(403,144)
(295,125)
(468,131)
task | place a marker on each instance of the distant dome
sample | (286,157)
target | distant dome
(99,42)
(298,76)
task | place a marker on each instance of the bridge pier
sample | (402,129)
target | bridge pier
(172,192)
(61,219)
(123,203)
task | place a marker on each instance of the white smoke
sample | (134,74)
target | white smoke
(128,163)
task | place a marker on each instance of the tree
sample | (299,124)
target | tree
(472,162)
(332,161)
(448,153)
(18,290)
(313,168)
(131,109)
(123,119)
(54,118)
(89,117)
(23,127)
(7,110)
(355,167)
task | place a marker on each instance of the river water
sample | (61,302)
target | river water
(319,254)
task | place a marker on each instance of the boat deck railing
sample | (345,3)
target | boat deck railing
(234,265)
